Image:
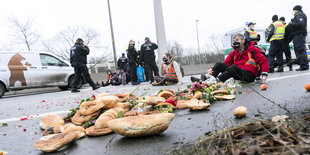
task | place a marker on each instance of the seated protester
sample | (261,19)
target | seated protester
(119,78)
(110,75)
(242,63)
(170,71)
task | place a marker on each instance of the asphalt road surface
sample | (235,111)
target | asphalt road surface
(22,111)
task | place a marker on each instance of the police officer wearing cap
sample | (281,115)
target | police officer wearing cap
(132,55)
(78,60)
(276,32)
(148,58)
(251,34)
(298,29)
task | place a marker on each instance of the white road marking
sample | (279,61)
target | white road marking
(67,111)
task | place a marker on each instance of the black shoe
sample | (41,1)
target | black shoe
(95,87)
(203,77)
(135,83)
(291,68)
(75,91)
(271,71)
(302,69)
(194,79)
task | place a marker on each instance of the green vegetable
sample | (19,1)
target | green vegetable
(73,111)
(4,124)
(120,114)
(240,92)
(161,90)
(88,123)
(229,89)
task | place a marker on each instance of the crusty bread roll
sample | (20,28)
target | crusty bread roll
(221,91)
(54,142)
(195,104)
(105,117)
(164,104)
(79,119)
(102,95)
(165,94)
(3,153)
(197,95)
(150,100)
(90,107)
(52,130)
(124,105)
(142,125)
(93,131)
(52,120)
(182,104)
(224,97)
(171,91)
(108,101)
(73,128)
(122,97)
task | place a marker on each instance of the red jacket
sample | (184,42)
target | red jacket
(243,61)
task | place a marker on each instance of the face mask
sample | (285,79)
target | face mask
(236,44)
(165,61)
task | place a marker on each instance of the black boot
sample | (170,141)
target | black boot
(290,67)
(95,87)
(280,69)
(74,90)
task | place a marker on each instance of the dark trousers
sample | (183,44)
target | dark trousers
(161,80)
(231,72)
(133,72)
(150,67)
(275,51)
(78,71)
(287,52)
(300,51)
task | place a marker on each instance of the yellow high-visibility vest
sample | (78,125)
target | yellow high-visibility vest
(253,34)
(279,31)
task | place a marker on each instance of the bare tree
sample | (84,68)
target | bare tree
(60,44)
(176,50)
(24,32)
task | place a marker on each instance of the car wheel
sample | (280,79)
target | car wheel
(2,90)
(71,82)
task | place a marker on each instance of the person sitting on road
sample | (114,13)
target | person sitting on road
(110,75)
(243,63)
(119,78)
(170,71)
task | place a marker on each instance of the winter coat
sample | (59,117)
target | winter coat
(147,51)
(78,55)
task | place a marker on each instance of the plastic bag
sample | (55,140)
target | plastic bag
(140,74)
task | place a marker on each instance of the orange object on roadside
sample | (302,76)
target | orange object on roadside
(263,86)
(307,86)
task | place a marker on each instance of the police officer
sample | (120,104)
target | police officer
(286,46)
(132,56)
(298,27)
(148,58)
(276,32)
(122,61)
(78,60)
(251,34)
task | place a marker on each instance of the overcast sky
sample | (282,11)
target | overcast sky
(134,19)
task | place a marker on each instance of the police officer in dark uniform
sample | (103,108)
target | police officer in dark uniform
(298,28)
(148,58)
(132,56)
(78,60)
(122,61)
(286,46)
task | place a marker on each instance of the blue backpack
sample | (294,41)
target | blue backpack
(140,74)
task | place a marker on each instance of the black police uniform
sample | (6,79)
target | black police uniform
(122,61)
(148,57)
(78,60)
(275,50)
(298,27)
(132,56)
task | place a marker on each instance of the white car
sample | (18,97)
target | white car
(22,70)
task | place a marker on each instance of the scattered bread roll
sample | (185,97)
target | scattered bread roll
(79,119)
(171,91)
(105,117)
(108,101)
(197,95)
(102,95)
(52,120)
(54,142)
(142,125)
(73,128)
(165,94)
(221,91)
(150,100)
(124,105)
(224,97)
(122,97)
(93,131)
(52,130)
(240,111)
(195,104)
(182,104)
(90,107)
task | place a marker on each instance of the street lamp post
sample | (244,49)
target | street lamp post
(198,42)
(112,35)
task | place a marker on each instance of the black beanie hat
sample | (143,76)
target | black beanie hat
(297,7)
(282,19)
(274,18)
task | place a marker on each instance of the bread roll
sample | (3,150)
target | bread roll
(221,91)
(224,97)
(52,130)
(124,105)
(182,104)
(79,119)
(171,91)
(105,117)
(150,100)
(122,97)
(102,95)
(142,125)
(195,104)
(197,95)
(73,128)
(165,94)
(108,101)
(93,131)
(90,107)
(54,142)
(52,120)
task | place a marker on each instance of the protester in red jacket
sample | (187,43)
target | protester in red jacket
(243,63)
